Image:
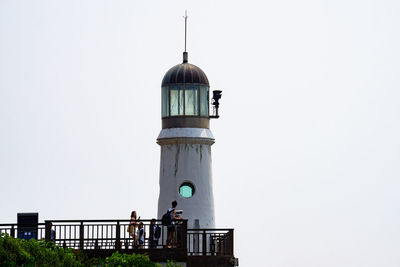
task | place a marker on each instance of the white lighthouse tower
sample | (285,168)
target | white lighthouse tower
(186,140)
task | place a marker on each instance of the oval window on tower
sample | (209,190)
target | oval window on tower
(186,190)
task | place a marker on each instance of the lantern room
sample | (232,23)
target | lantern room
(185,97)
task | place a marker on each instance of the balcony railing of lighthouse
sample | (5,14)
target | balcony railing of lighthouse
(101,237)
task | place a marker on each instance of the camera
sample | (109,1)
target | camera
(178,213)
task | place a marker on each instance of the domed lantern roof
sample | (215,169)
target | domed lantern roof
(185,73)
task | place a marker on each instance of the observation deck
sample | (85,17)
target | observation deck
(101,238)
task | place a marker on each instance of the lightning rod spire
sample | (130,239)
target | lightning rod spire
(185,54)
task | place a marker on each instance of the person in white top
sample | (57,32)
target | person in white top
(132,227)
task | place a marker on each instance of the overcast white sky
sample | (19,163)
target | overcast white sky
(306,160)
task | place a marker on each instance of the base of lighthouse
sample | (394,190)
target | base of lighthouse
(185,174)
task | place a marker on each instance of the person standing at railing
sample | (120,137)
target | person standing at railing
(171,227)
(133,225)
(140,235)
(155,233)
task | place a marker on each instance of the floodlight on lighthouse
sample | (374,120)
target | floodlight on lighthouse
(217,94)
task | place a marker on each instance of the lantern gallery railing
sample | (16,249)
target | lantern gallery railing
(110,235)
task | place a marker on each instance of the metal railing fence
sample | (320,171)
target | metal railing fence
(114,235)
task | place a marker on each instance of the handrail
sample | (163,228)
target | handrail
(209,229)
(15,224)
(99,220)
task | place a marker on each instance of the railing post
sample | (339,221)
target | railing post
(81,235)
(184,234)
(231,242)
(118,237)
(204,243)
(47,231)
(12,232)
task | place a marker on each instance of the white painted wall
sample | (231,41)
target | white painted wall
(186,156)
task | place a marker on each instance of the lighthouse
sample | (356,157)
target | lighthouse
(185,141)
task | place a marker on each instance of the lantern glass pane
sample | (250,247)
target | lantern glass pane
(176,100)
(164,105)
(191,100)
(204,101)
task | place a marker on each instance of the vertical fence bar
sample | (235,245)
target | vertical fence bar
(81,235)
(47,231)
(69,236)
(197,242)
(184,235)
(12,232)
(107,236)
(204,243)
(87,235)
(231,242)
(118,237)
